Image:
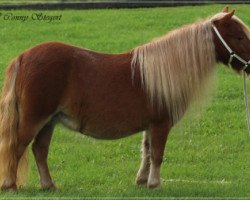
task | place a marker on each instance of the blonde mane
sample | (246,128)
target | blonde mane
(175,67)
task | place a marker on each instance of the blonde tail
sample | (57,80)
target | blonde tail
(9,118)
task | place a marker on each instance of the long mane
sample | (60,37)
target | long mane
(175,67)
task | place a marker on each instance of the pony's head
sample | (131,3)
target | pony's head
(232,40)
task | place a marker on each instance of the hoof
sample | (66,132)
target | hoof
(50,187)
(153,185)
(141,181)
(9,188)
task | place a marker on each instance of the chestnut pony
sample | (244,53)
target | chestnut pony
(111,96)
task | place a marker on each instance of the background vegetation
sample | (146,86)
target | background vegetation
(206,156)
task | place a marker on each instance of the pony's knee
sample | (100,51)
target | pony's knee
(156,159)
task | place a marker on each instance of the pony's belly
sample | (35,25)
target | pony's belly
(102,130)
(110,131)
(107,135)
(114,127)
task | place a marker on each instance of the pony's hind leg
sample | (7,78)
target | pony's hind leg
(159,133)
(18,167)
(142,175)
(40,149)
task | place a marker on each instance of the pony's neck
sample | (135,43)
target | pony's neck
(175,67)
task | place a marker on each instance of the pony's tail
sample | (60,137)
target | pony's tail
(9,119)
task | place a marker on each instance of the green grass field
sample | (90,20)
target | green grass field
(206,156)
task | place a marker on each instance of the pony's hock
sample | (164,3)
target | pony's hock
(111,96)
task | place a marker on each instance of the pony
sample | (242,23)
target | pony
(110,96)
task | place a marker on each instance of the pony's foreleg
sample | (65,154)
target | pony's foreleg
(142,175)
(158,137)
(40,149)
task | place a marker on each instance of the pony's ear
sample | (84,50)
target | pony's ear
(228,16)
(225,9)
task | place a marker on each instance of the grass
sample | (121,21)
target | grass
(205,157)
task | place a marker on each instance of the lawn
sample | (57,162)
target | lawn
(206,155)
